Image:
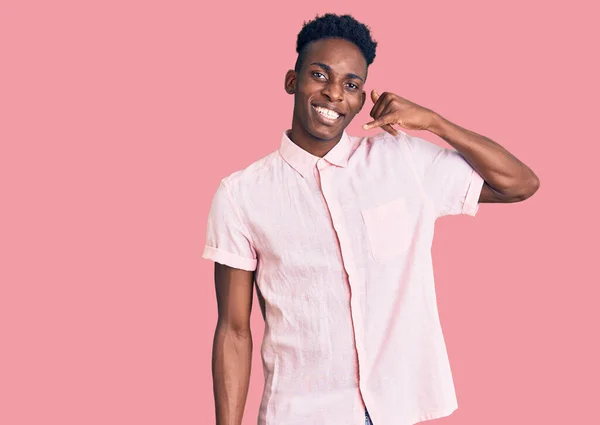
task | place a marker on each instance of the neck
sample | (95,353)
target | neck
(311,144)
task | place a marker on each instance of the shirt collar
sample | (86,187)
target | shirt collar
(304,162)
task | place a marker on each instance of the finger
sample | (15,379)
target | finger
(380,106)
(390,129)
(386,119)
(374,96)
(377,110)
(389,110)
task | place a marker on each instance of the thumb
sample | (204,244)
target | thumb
(374,96)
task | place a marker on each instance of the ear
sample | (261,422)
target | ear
(291,79)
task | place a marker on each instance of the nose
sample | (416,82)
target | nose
(333,92)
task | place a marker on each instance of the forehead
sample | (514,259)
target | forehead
(341,55)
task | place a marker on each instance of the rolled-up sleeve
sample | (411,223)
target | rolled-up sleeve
(448,179)
(228,240)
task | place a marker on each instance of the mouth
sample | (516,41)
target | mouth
(325,115)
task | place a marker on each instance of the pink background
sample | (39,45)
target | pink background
(119,118)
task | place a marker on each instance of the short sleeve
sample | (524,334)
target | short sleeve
(227,238)
(448,179)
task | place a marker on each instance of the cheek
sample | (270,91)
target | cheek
(355,105)
(309,88)
(303,93)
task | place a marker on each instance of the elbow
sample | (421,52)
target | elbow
(238,331)
(530,187)
(524,189)
(534,185)
(511,190)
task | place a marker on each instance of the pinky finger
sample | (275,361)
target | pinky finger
(390,129)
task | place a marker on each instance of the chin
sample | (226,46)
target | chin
(324,135)
(323,132)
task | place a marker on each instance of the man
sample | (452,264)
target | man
(336,231)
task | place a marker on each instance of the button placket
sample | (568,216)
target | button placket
(354,279)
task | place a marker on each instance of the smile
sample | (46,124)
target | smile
(327,113)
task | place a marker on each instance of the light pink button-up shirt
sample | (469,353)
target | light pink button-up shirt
(341,246)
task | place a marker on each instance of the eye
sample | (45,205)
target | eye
(317,74)
(353,86)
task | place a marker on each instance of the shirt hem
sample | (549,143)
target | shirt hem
(442,413)
(229,259)
(471,204)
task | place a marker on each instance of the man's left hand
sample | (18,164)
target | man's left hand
(390,109)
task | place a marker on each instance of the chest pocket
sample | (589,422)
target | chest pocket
(388,229)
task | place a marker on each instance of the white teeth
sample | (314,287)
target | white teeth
(327,112)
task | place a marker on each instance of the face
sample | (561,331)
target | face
(328,89)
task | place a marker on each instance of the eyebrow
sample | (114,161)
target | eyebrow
(328,68)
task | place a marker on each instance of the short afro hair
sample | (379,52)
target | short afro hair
(335,26)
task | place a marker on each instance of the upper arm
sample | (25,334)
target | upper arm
(229,245)
(490,195)
(234,290)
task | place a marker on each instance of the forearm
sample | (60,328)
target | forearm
(499,168)
(231,364)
